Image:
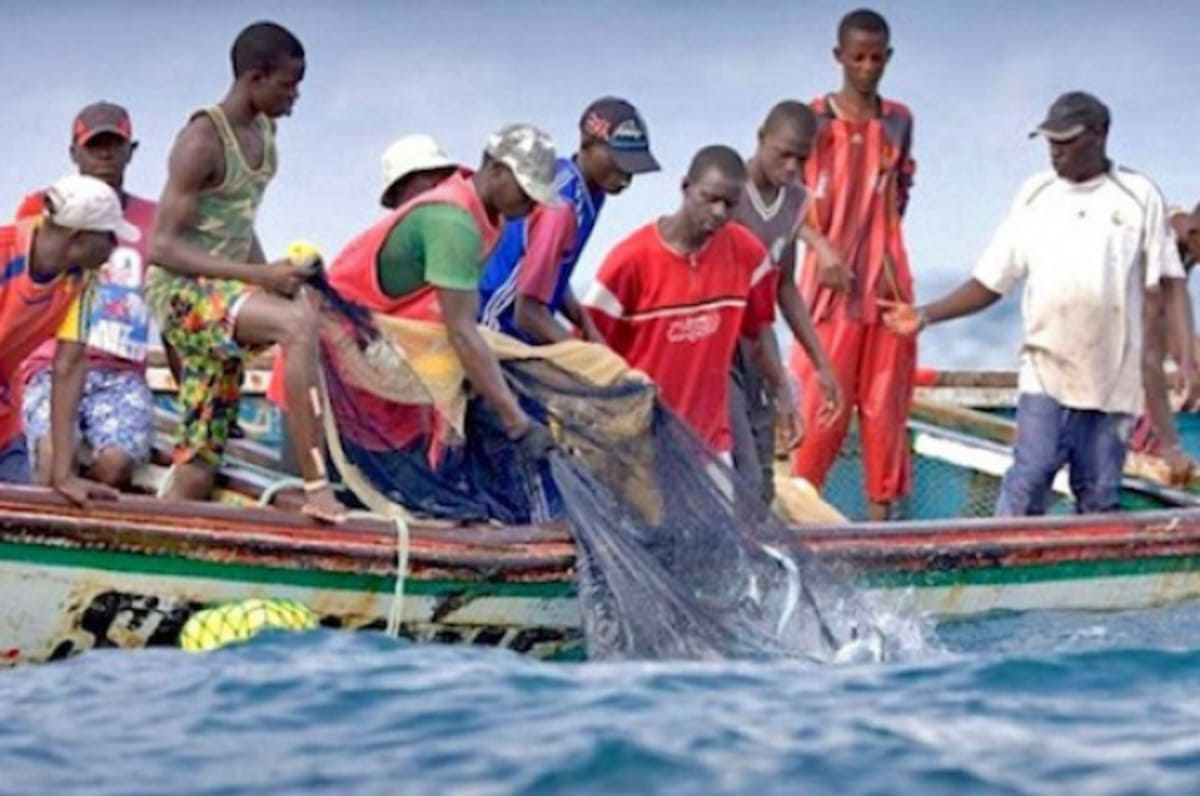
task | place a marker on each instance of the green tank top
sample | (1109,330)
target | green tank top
(225,214)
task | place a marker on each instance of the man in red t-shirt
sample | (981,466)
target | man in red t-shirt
(674,297)
(859,175)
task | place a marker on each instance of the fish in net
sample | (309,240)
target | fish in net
(675,556)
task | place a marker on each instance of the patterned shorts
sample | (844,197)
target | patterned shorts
(116,411)
(197,318)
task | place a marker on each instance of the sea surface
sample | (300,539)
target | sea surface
(1037,704)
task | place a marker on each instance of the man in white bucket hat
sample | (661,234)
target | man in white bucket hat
(412,165)
(45,264)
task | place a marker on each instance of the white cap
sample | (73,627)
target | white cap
(410,154)
(86,203)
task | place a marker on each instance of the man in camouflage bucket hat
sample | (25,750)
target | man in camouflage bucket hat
(423,262)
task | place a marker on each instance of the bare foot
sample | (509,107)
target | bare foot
(322,506)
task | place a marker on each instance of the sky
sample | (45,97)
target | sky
(977,75)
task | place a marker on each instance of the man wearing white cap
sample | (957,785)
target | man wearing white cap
(40,286)
(423,261)
(411,166)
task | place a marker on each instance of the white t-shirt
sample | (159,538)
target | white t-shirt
(1087,252)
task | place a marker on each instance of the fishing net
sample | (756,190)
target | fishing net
(676,557)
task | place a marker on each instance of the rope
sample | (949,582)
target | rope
(268,495)
(396,615)
(396,612)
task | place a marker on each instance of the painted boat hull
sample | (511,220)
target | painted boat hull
(129,575)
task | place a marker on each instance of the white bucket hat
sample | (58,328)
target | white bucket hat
(410,154)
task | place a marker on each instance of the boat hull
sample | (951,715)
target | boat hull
(131,576)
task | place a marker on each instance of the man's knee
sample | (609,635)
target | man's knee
(299,326)
(114,467)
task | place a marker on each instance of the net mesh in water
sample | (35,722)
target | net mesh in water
(676,558)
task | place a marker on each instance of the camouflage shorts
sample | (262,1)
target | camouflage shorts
(197,318)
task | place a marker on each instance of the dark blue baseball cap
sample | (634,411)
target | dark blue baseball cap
(618,124)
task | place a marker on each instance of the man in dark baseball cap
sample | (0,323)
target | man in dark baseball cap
(616,123)
(527,282)
(1070,115)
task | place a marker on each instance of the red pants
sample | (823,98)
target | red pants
(875,368)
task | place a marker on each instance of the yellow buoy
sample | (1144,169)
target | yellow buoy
(220,625)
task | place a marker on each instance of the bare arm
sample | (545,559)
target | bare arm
(535,319)
(967,299)
(460,308)
(1178,310)
(792,305)
(193,167)
(573,310)
(1154,377)
(66,391)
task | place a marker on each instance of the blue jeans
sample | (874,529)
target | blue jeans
(14,463)
(1091,443)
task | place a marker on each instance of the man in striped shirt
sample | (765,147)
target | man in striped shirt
(675,296)
(859,174)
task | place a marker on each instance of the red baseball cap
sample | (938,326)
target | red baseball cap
(101,117)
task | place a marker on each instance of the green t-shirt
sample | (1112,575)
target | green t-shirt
(434,244)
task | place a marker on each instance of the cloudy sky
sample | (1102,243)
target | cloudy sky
(977,76)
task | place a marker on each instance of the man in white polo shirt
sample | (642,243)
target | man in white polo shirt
(1089,239)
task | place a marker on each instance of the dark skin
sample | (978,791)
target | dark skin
(502,197)
(1158,343)
(105,156)
(1078,159)
(864,57)
(708,204)
(414,184)
(54,251)
(533,317)
(778,162)
(278,313)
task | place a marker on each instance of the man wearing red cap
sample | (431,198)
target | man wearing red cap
(106,369)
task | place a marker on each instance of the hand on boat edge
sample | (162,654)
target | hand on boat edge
(80,490)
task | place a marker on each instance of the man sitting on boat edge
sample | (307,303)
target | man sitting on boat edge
(1090,239)
(47,263)
(116,408)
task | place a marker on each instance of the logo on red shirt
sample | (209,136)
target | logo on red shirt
(694,328)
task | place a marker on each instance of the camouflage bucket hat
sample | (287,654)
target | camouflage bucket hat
(529,153)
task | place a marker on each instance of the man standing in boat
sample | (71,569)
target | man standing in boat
(675,296)
(1089,239)
(527,281)
(777,209)
(210,288)
(115,405)
(860,175)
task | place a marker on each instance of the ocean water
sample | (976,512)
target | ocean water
(1014,704)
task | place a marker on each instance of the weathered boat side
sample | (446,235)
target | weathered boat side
(130,574)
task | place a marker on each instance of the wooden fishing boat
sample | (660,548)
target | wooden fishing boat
(129,574)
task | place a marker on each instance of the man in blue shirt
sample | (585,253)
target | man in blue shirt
(527,281)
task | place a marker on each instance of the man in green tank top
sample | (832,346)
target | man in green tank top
(211,290)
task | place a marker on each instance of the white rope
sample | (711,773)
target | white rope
(396,615)
(396,612)
(268,495)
